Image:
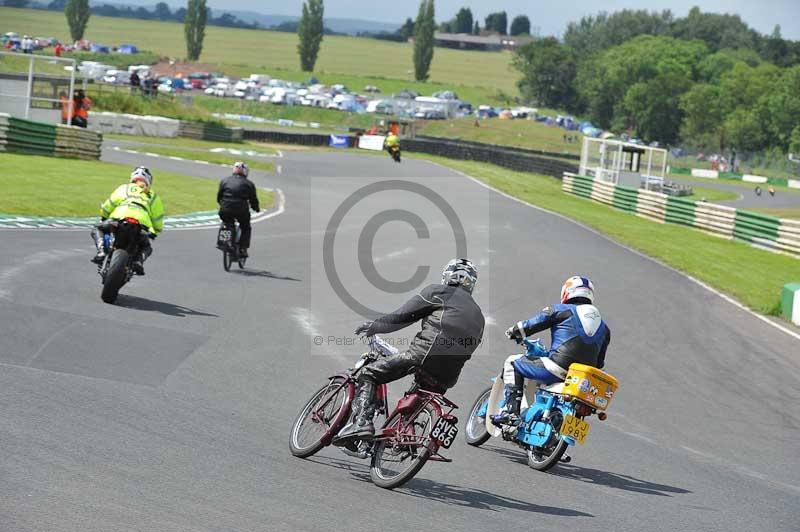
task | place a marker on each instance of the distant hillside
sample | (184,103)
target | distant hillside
(350,26)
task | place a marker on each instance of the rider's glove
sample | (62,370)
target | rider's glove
(515,333)
(363,328)
(152,236)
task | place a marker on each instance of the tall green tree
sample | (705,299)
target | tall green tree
(521,25)
(407,29)
(310,31)
(194,28)
(463,21)
(77,13)
(548,72)
(423,40)
(704,114)
(592,34)
(497,22)
(476,29)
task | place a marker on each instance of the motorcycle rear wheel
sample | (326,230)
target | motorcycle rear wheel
(391,450)
(540,461)
(115,276)
(227,260)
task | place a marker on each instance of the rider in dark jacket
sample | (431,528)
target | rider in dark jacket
(452,328)
(578,334)
(235,197)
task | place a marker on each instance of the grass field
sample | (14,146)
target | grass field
(713,260)
(239,51)
(787,213)
(67,187)
(519,133)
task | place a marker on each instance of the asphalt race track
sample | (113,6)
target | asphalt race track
(170,410)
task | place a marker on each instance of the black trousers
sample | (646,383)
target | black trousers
(229,214)
(395,367)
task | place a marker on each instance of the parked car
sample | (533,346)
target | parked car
(120,77)
(199,80)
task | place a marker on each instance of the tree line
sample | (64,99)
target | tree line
(706,80)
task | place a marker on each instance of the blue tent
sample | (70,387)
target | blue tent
(99,48)
(128,49)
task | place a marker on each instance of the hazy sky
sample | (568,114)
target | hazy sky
(549,15)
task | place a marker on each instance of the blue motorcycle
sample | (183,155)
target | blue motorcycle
(552,416)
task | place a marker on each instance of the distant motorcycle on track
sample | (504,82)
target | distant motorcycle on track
(553,417)
(420,425)
(394,151)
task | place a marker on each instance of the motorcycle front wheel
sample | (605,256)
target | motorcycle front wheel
(324,413)
(475,432)
(543,458)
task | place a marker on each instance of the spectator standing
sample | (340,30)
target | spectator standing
(66,108)
(26,45)
(57,51)
(135,82)
(82,104)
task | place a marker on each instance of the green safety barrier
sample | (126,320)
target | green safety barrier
(37,138)
(758,229)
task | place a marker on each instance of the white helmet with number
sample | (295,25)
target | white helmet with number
(460,272)
(577,286)
(142,174)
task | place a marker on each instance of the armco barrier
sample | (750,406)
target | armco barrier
(282,137)
(719,220)
(507,158)
(37,138)
(523,151)
(208,131)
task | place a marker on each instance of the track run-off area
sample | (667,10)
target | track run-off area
(170,410)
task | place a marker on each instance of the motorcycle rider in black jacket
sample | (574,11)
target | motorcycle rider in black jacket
(235,197)
(452,328)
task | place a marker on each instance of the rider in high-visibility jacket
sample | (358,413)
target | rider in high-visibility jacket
(391,141)
(135,200)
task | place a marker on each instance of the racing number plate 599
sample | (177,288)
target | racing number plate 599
(444,432)
(574,428)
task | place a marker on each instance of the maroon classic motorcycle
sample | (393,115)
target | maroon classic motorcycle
(421,423)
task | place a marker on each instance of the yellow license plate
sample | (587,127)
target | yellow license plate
(574,428)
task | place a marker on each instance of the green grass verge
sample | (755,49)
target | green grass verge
(68,187)
(215,158)
(712,194)
(715,261)
(121,101)
(788,213)
(350,60)
(191,144)
(520,133)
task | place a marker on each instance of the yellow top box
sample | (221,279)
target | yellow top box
(590,385)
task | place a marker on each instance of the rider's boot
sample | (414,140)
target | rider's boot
(243,253)
(138,264)
(360,426)
(101,254)
(510,414)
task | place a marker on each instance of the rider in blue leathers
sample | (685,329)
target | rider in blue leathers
(578,334)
